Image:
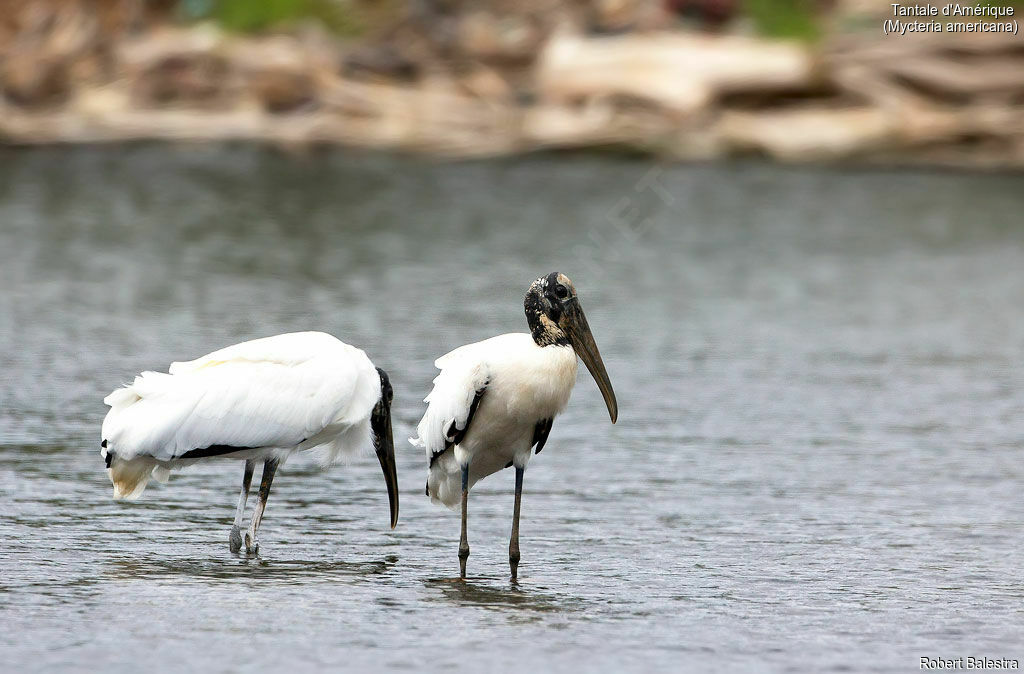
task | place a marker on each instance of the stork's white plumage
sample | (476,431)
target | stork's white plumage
(259,400)
(524,384)
(495,400)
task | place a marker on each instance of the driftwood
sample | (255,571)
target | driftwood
(679,73)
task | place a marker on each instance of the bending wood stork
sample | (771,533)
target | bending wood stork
(496,399)
(260,400)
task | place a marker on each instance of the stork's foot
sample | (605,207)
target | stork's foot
(235,539)
(252,544)
(513,562)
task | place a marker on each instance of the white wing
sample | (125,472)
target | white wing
(272,392)
(464,373)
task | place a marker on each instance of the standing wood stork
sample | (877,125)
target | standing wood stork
(496,399)
(260,400)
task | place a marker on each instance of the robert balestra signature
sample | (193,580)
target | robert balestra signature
(969,662)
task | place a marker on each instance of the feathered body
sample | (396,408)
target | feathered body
(261,399)
(522,383)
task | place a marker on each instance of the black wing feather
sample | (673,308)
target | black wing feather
(540,433)
(212,450)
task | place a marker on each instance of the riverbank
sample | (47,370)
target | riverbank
(947,99)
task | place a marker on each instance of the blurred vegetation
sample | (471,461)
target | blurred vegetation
(344,17)
(787,19)
(783,19)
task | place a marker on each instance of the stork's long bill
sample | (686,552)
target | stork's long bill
(384,443)
(574,324)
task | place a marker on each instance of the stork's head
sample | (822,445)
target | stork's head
(556,319)
(384,442)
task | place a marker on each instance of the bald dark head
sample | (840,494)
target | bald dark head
(545,304)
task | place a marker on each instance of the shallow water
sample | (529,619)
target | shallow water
(817,465)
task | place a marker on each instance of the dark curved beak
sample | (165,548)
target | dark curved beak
(574,323)
(384,441)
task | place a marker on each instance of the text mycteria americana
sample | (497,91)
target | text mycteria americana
(260,400)
(496,399)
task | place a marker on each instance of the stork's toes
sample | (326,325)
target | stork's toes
(252,544)
(235,540)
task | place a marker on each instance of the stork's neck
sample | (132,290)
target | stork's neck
(544,330)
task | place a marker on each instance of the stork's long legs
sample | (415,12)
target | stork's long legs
(464,541)
(513,544)
(235,540)
(252,545)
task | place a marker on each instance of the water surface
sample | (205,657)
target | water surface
(817,465)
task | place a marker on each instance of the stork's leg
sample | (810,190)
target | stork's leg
(252,545)
(513,544)
(464,541)
(235,541)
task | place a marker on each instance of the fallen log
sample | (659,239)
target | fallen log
(677,72)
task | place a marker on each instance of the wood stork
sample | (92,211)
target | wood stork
(495,400)
(260,400)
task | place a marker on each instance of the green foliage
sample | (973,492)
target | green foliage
(248,16)
(792,19)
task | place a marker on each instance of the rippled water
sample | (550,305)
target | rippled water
(817,465)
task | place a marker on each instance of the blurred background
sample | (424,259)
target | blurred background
(798,241)
(796,80)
